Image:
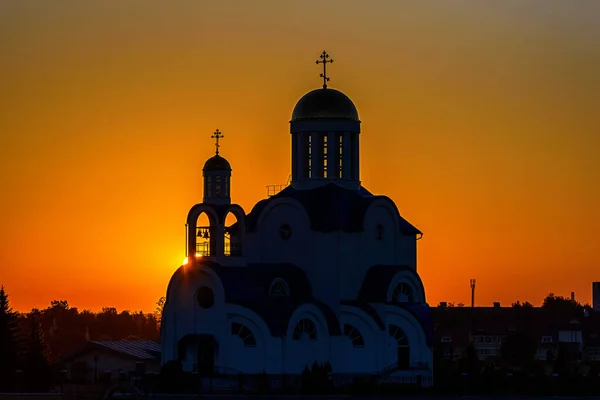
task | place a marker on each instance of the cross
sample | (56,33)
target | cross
(324,60)
(217,135)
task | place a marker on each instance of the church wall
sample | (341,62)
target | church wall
(241,357)
(350,272)
(303,352)
(323,274)
(379,249)
(183,315)
(406,251)
(349,358)
(394,315)
(273,248)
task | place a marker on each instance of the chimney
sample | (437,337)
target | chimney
(572,296)
(443,304)
(496,304)
(596,296)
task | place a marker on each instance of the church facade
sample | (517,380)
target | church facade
(322,271)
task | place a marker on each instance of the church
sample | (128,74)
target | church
(322,271)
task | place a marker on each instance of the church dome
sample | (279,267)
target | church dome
(217,163)
(325,103)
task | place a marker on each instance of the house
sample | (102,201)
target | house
(99,357)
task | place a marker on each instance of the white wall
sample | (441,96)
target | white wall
(335,263)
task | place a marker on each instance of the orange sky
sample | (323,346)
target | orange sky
(480,119)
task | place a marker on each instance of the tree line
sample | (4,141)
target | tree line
(32,343)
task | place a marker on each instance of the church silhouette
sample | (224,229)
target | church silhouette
(323,271)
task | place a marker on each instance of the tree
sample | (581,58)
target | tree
(469,361)
(9,342)
(518,350)
(562,363)
(563,306)
(160,306)
(38,374)
(524,304)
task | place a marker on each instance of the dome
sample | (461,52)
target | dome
(217,163)
(324,103)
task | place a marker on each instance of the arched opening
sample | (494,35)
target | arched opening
(232,235)
(403,349)
(206,243)
(403,293)
(305,330)
(279,288)
(354,335)
(244,333)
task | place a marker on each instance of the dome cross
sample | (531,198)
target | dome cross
(324,60)
(217,135)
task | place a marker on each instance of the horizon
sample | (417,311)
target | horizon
(478,120)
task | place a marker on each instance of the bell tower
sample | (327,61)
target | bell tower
(217,176)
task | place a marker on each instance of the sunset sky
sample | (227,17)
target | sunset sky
(481,119)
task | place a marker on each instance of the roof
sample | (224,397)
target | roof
(325,103)
(249,287)
(330,208)
(139,349)
(217,163)
(377,280)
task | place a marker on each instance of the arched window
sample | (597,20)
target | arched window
(397,333)
(354,335)
(403,350)
(402,293)
(244,333)
(305,329)
(279,288)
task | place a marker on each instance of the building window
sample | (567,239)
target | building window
(546,339)
(279,288)
(308,154)
(206,297)
(354,336)
(208,186)
(218,186)
(244,333)
(340,157)
(397,333)
(305,329)
(325,156)
(402,293)
(352,157)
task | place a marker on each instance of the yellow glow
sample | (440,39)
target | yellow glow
(185,261)
(198,255)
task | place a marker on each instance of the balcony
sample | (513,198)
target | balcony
(203,249)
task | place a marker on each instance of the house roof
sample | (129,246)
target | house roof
(139,349)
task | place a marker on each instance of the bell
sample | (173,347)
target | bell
(205,236)
(199,233)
